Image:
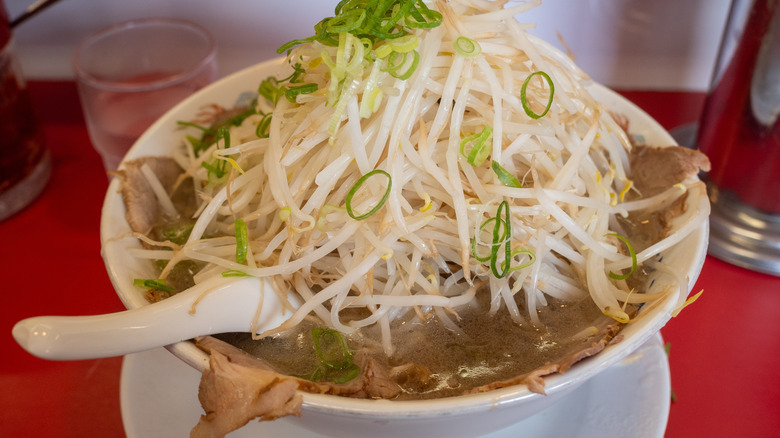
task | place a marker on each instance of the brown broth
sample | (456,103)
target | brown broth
(494,347)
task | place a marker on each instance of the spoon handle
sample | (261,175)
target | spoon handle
(228,307)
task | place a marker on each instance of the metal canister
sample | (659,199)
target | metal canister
(740,132)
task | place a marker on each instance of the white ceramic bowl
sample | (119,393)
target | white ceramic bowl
(464,416)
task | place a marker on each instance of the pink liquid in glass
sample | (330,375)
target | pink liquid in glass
(118,118)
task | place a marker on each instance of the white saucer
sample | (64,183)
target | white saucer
(159,398)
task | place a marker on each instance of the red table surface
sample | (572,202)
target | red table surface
(725,349)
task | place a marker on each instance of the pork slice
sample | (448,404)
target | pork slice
(655,169)
(233,393)
(238,387)
(142,208)
(375,379)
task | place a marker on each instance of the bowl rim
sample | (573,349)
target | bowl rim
(695,246)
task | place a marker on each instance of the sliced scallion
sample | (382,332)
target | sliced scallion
(347,21)
(524,95)
(475,240)
(397,60)
(480,148)
(263,126)
(501,238)
(631,252)
(235,273)
(466,47)
(292,93)
(358,184)
(242,240)
(531,258)
(421,17)
(504,176)
(271,90)
(334,358)
(154,284)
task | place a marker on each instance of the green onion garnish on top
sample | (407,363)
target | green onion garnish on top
(242,241)
(531,259)
(153,284)
(501,239)
(334,358)
(292,93)
(397,60)
(234,273)
(365,33)
(358,184)
(504,176)
(524,95)
(633,258)
(475,239)
(375,20)
(270,89)
(466,47)
(480,148)
(263,126)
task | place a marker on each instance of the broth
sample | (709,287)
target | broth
(431,361)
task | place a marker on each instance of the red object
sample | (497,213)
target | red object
(745,151)
(5,28)
(21,142)
(725,353)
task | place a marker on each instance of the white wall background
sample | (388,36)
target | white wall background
(641,44)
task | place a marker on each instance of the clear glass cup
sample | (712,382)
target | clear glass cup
(130,74)
(25,165)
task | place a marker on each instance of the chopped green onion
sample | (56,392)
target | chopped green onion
(466,47)
(193,125)
(346,22)
(531,258)
(355,188)
(178,232)
(263,126)
(474,240)
(219,173)
(504,176)
(374,20)
(196,143)
(331,348)
(153,284)
(218,170)
(633,258)
(404,44)
(292,93)
(242,240)
(271,90)
(235,273)
(524,95)
(211,134)
(394,64)
(499,238)
(480,149)
(334,357)
(421,17)
(285,213)
(224,133)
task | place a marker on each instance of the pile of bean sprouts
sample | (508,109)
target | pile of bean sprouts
(489,169)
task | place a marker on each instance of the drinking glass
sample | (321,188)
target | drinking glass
(130,74)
